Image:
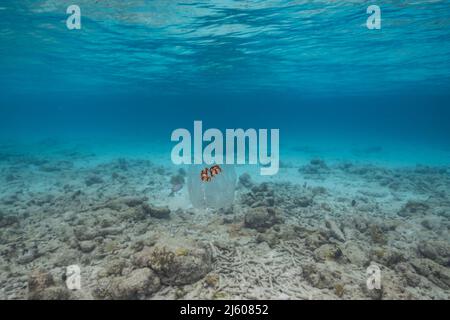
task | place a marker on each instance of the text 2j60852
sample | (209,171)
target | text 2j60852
(236,309)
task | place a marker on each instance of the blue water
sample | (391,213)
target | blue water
(140,69)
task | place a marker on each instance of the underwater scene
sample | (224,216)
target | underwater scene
(224,150)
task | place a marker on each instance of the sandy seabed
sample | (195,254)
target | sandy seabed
(308,233)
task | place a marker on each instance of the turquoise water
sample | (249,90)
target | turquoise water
(87,179)
(312,69)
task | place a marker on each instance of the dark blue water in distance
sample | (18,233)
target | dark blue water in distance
(140,69)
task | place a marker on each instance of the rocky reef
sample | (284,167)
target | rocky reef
(310,233)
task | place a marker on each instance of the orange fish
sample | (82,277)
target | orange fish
(215,170)
(204,175)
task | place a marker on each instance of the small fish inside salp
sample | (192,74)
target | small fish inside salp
(215,170)
(177,182)
(204,176)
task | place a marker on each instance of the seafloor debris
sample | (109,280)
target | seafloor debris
(261,218)
(156,212)
(413,208)
(42,286)
(334,230)
(436,250)
(138,284)
(8,220)
(176,263)
(315,166)
(299,236)
(246,180)
(436,273)
(93,179)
